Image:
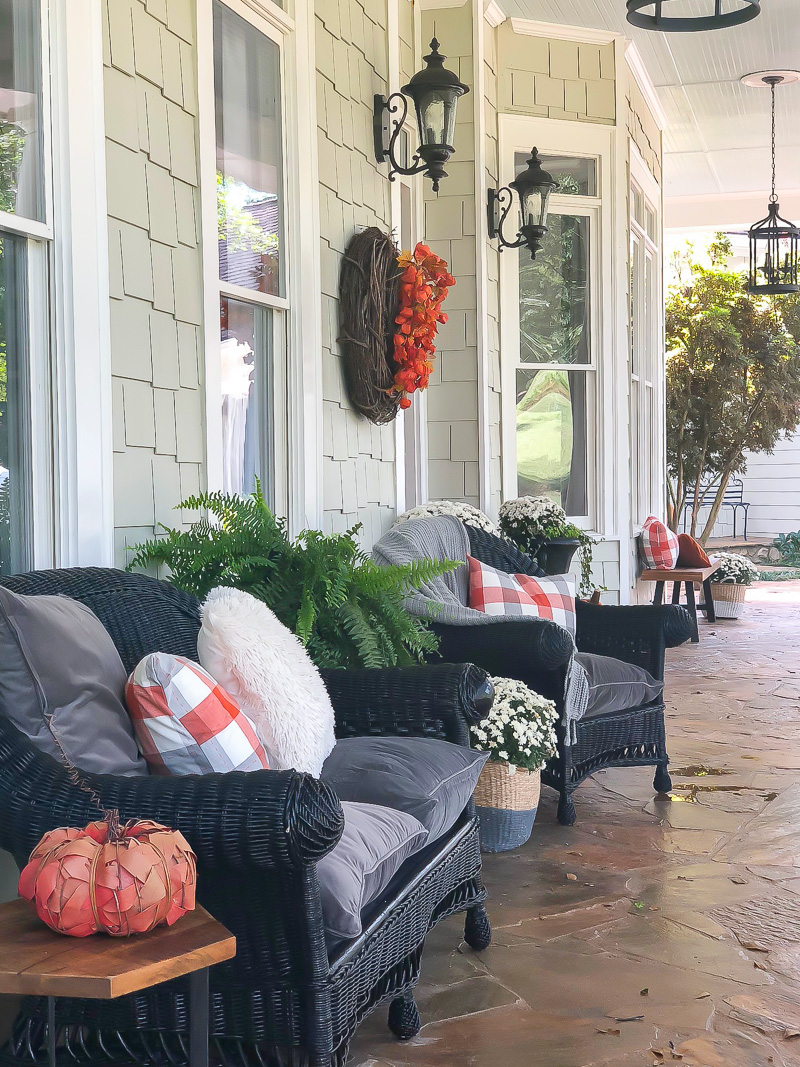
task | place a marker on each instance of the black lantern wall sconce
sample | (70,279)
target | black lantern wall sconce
(774,241)
(533,187)
(434,92)
(717,15)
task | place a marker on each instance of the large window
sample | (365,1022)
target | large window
(645,352)
(554,373)
(23,297)
(252,254)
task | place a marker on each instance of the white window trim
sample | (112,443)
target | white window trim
(641,176)
(517,133)
(302,432)
(71,397)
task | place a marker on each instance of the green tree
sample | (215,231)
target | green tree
(733,379)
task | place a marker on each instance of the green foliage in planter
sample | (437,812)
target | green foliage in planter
(346,610)
(789,546)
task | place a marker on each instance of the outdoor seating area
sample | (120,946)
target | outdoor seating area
(399,533)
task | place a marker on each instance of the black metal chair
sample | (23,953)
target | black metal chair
(538,652)
(257,836)
(732,498)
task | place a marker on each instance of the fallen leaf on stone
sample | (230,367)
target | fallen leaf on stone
(644,992)
(791,1033)
(657,1052)
(572,877)
(615,1032)
(573,852)
(654,908)
(684,878)
(638,904)
(738,881)
(702,996)
(627,1018)
(759,965)
(752,946)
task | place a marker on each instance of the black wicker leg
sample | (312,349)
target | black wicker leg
(708,594)
(477,928)
(662,783)
(692,607)
(404,1021)
(658,596)
(566,809)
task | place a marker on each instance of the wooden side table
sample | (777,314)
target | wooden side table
(689,577)
(35,961)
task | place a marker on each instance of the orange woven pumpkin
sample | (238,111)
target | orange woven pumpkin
(121,879)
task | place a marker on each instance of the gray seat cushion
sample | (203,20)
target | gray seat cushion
(615,685)
(374,844)
(427,778)
(62,674)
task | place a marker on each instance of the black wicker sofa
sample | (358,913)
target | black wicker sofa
(538,652)
(257,836)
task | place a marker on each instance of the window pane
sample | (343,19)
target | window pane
(651,223)
(15,505)
(247,431)
(637,207)
(21,172)
(575,176)
(554,295)
(636,299)
(552,436)
(247,82)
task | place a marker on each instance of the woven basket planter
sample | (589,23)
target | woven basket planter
(728,599)
(506,804)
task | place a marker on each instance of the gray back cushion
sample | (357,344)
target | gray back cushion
(373,845)
(615,685)
(60,673)
(427,778)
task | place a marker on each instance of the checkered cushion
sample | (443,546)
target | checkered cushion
(499,593)
(659,545)
(187,724)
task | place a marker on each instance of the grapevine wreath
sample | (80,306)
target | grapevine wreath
(390,306)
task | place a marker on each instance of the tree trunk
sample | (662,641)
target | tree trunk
(698,479)
(724,478)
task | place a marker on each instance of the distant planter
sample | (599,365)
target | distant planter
(729,584)
(729,598)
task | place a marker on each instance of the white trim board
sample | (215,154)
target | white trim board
(493,13)
(556,32)
(633,57)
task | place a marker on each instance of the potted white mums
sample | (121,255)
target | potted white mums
(730,584)
(469,515)
(539,526)
(519,735)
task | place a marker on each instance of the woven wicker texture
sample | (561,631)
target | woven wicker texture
(503,830)
(497,788)
(538,652)
(257,837)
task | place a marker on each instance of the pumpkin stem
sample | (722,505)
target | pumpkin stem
(116,831)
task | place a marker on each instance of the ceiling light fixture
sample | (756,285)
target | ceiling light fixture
(655,15)
(774,241)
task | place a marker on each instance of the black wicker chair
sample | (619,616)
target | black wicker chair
(537,652)
(257,837)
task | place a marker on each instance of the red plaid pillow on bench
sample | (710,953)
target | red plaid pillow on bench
(659,545)
(498,593)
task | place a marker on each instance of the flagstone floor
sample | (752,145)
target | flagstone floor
(677,941)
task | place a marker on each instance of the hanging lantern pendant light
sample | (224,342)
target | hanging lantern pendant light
(774,241)
(657,15)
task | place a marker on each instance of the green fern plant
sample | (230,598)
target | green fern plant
(346,610)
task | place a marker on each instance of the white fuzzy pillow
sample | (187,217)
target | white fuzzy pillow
(243,646)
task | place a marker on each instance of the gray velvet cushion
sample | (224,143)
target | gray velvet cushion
(60,672)
(427,778)
(374,844)
(615,685)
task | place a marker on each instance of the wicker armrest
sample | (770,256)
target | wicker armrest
(636,634)
(265,820)
(517,649)
(432,701)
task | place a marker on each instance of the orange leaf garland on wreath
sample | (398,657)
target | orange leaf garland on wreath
(424,284)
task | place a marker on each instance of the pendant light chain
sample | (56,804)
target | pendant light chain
(773,197)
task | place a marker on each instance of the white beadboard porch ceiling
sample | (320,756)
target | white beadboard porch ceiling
(717,141)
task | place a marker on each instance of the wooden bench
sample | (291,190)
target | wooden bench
(689,577)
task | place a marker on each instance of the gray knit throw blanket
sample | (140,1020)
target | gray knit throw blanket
(445,599)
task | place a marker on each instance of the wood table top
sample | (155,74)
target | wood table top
(681,574)
(34,960)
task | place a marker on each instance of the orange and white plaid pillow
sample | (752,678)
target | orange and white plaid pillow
(185,723)
(659,545)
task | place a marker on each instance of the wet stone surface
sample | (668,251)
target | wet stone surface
(678,940)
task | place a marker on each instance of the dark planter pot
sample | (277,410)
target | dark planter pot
(555,557)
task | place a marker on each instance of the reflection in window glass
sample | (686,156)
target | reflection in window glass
(575,176)
(21,172)
(14,412)
(249,157)
(552,431)
(247,435)
(554,295)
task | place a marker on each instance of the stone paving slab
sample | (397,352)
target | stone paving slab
(684,912)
